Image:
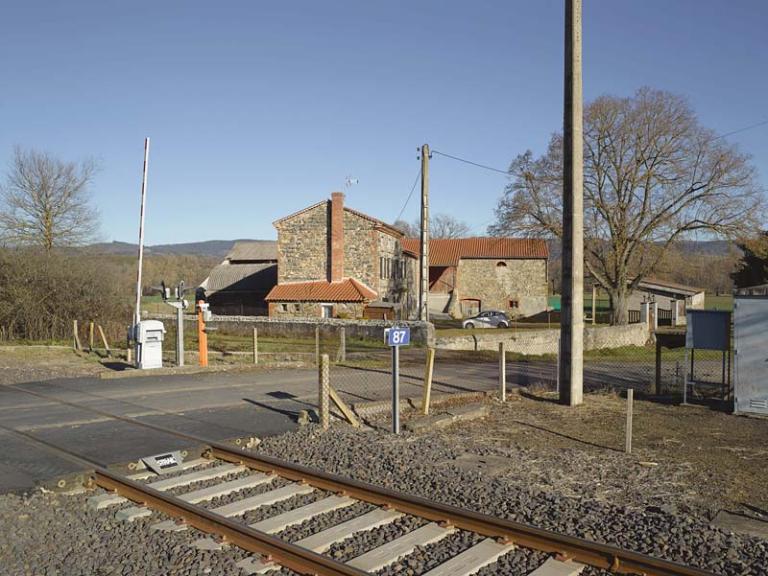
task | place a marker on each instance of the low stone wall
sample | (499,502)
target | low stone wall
(536,342)
(421,332)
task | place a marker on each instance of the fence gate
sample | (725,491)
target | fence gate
(750,321)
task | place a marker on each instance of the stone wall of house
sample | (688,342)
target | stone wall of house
(360,246)
(535,342)
(303,246)
(498,284)
(314,309)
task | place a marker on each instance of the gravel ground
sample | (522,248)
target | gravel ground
(421,464)
(47,534)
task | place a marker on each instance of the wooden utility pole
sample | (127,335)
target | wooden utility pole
(572,318)
(424,243)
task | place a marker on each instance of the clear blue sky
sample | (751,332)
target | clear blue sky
(257,108)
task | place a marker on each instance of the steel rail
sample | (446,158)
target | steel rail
(577,549)
(281,552)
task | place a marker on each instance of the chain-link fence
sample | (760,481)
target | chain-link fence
(465,362)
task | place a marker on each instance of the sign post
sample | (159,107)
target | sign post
(395,337)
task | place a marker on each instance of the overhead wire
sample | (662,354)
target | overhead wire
(410,194)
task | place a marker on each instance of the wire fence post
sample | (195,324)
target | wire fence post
(317,344)
(428,371)
(503,371)
(255,346)
(324,391)
(630,409)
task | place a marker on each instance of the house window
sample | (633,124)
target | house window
(283,307)
(501,264)
(326,310)
(514,303)
(296,307)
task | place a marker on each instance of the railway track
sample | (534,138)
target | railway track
(228,472)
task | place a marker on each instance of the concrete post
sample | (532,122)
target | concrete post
(655,316)
(179,336)
(630,409)
(503,371)
(572,316)
(324,391)
(255,346)
(317,345)
(342,344)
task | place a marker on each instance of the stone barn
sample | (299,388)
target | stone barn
(467,275)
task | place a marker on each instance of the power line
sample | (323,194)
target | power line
(740,130)
(416,181)
(483,166)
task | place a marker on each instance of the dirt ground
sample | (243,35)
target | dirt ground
(31,363)
(694,458)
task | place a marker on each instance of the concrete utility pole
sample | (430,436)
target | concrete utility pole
(572,309)
(424,245)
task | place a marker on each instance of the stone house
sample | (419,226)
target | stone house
(335,262)
(467,275)
(240,283)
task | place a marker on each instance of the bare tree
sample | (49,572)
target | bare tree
(410,230)
(445,226)
(652,176)
(440,226)
(45,201)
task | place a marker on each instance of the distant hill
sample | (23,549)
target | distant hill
(212,248)
(689,247)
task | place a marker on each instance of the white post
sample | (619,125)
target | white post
(141,230)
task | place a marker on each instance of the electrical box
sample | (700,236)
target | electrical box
(206,309)
(149,336)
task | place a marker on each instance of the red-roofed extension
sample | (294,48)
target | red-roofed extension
(348,290)
(448,251)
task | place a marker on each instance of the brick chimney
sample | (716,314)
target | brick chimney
(337,236)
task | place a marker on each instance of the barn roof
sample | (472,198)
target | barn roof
(241,277)
(256,250)
(448,251)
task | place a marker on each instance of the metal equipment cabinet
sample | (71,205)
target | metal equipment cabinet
(149,335)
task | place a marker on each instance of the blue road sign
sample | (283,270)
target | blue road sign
(398,336)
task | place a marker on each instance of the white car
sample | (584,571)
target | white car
(487,319)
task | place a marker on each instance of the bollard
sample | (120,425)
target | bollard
(324,391)
(630,408)
(503,371)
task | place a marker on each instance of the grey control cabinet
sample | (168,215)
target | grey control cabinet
(149,336)
(750,384)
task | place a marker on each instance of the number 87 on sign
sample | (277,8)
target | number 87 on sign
(397,336)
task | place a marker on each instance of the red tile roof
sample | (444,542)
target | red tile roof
(348,290)
(447,252)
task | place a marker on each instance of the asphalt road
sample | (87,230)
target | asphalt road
(220,406)
(216,406)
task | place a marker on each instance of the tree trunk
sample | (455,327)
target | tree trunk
(619,306)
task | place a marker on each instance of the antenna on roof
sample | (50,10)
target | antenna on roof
(349,182)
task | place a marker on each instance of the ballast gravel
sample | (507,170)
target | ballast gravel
(421,465)
(46,534)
